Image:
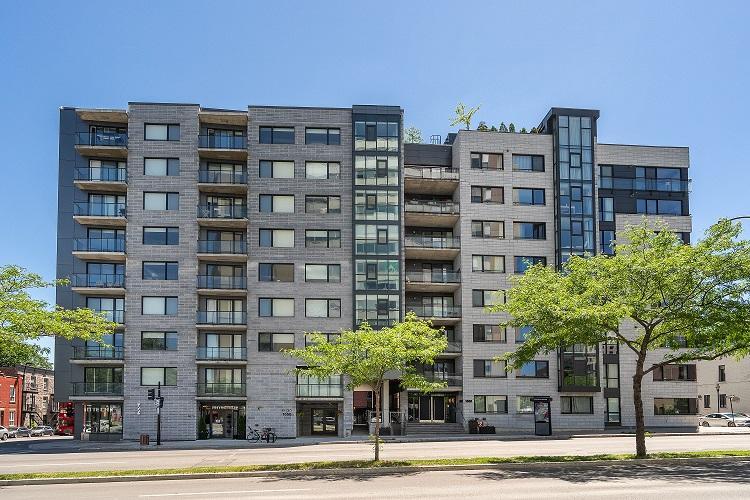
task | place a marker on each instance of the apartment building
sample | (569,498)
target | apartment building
(217,238)
(26,396)
(724,385)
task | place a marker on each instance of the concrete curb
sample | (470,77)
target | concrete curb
(374,471)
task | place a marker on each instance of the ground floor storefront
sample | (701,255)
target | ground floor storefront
(320,418)
(219,420)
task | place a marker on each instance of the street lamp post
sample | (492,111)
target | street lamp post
(718,403)
(740,217)
(731,407)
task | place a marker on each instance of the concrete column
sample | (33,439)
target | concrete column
(385,404)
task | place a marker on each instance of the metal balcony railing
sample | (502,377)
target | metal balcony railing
(437,277)
(222,317)
(98,352)
(222,142)
(98,280)
(96,388)
(432,207)
(222,353)
(102,138)
(101,174)
(222,211)
(435,242)
(222,282)
(221,177)
(99,209)
(99,245)
(435,311)
(222,246)
(438,173)
(222,389)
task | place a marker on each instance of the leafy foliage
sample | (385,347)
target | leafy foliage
(412,135)
(464,115)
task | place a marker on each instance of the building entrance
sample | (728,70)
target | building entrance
(432,408)
(219,421)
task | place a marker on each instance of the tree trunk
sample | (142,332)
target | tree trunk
(640,428)
(377,423)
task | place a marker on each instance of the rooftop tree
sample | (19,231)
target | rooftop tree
(367,357)
(464,115)
(412,135)
(656,296)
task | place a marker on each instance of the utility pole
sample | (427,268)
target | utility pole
(159,402)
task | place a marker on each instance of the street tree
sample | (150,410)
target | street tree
(412,135)
(664,300)
(464,115)
(368,357)
(24,319)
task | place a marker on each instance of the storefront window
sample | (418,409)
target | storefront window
(102,418)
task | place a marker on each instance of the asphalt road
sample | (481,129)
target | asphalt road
(17,458)
(725,479)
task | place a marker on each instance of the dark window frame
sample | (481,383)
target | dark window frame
(328,198)
(270,336)
(273,272)
(171,127)
(329,136)
(164,376)
(165,342)
(166,271)
(273,131)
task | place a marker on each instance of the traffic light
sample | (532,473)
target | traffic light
(152,394)
(161,402)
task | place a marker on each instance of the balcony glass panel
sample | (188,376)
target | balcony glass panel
(102,138)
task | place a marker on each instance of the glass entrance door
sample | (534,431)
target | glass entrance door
(324,421)
(432,408)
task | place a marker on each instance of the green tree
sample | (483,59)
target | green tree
(511,127)
(502,127)
(655,293)
(482,127)
(366,357)
(523,130)
(412,135)
(24,319)
(464,115)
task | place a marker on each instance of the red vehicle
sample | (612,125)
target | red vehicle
(65,417)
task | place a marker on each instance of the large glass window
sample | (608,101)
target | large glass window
(662,207)
(276,169)
(328,273)
(153,270)
(279,238)
(489,333)
(161,236)
(528,163)
(487,161)
(579,366)
(322,170)
(486,298)
(164,306)
(276,135)
(376,136)
(523,262)
(487,229)
(528,196)
(576,404)
(529,230)
(606,209)
(323,308)
(275,342)
(161,166)
(158,341)
(607,238)
(161,132)
(488,263)
(276,272)
(490,404)
(102,418)
(377,309)
(164,375)
(488,368)
(675,406)
(376,205)
(322,238)
(484,194)
(328,136)
(322,204)
(373,274)
(161,201)
(273,307)
(376,170)
(534,369)
(276,203)
(674,372)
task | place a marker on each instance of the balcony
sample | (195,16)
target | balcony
(431,213)
(453,347)
(235,319)
(102,389)
(210,354)
(430,180)
(222,147)
(113,316)
(217,181)
(102,144)
(108,249)
(103,179)
(222,389)
(98,284)
(439,314)
(222,250)
(432,247)
(221,284)
(100,213)
(320,391)
(453,381)
(371,246)
(643,184)
(98,354)
(230,216)
(432,281)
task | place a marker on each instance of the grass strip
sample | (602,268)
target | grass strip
(371,464)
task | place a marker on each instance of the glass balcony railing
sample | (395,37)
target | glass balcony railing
(222,317)
(432,207)
(435,311)
(100,174)
(221,177)
(222,353)
(222,246)
(98,280)
(222,211)
(119,139)
(222,389)
(113,316)
(643,184)
(99,245)
(367,246)
(454,346)
(97,352)
(222,142)
(320,391)
(451,379)
(222,282)
(443,277)
(438,173)
(96,388)
(435,242)
(99,209)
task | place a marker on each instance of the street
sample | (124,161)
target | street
(725,478)
(55,456)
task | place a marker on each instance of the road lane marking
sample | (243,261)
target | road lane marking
(236,492)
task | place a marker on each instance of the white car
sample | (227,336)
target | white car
(4,433)
(724,420)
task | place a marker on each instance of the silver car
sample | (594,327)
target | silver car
(724,420)
(42,430)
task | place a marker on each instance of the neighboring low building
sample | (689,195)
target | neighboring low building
(724,385)
(35,393)
(10,397)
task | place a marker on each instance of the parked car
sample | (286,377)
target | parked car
(12,431)
(724,420)
(4,433)
(23,432)
(42,430)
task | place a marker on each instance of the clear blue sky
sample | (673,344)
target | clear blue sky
(662,73)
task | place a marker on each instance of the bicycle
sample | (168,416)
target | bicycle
(266,434)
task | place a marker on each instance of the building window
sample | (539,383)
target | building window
(276,135)
(327,136)
(722,400)
(487,161)
(275,342)
(323,238)
(534,369)
(276,169)
(12,394)
(322,170)
(523,262)
(161,132)
(607,238)
(661,207)
(576,405)
(276,272)
(606,209)
(489,333)
(161,166)
(159,341)
(674,372)
(278,238)
(330,273)
(578,364)
(161,306)
(154,376)
(276,203)
(528,163)
(161,201)
(525,404)
(611,375)
(490,404)
(675,406)
(722,373)
(11,417)
(376,136)
(706,401)
(528,196)
(484,194)
(376,170)
(329,337)
(529,230)
(277,308)
(488,263)
(159,270)
(488,368)
(323,308)
(103,418)
(161,236)
(322,204)
(487,229)
(487,298)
